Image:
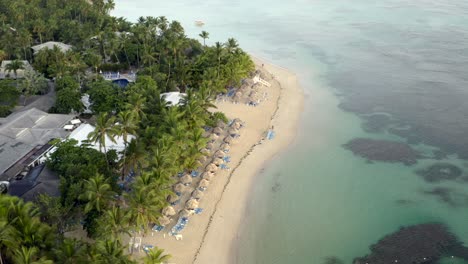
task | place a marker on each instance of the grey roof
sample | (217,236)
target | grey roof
(40,180)
(26,131)
(50,45)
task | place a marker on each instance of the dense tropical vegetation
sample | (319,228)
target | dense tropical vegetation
(160,140)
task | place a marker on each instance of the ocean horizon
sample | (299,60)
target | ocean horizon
(382,140)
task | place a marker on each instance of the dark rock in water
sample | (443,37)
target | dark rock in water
(383,150)
(449,196)
(333,260)
(418,244)
(439,154)
(440,172)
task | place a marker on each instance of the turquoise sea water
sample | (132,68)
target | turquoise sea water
(355,61)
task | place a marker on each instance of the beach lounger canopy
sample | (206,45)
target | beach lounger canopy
(208,175)
(163,220)
(186,179)
(225,147)
(179,187)
(218,161)
(191,204)
(168,211)
(212,167)
(186,213)
(197,194)
(218,130)
(204,183)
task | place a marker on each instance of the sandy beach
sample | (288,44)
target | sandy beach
(210,236)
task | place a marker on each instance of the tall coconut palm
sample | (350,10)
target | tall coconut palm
(126,127)
(219,53)
(231,45)
(204,35)
(115,222)
(14,66)
(135,158)
(97,193)
(156,256)
(105,129)
(71,251)
(144,206)
(110,251)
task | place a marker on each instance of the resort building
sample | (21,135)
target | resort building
(81,133)
(173,98)
(25,139)
(50,45)
(4,73)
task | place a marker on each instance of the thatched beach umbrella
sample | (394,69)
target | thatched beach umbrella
(168,211)
(218,130)
(225,147)
(186,213)
(228,139)
(233,131)
(208,175)
(197,194)
(163,220)
(202,158)
(214,136)
(205,151)
(186,179)
(204,183)
(236,124)
(209,146)
(219,154)
(172,198)
(218,161)
(179,187)
(211,167)
(191,204)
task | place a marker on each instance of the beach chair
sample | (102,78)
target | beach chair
(147,248)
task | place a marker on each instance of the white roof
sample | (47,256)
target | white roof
(68,127)
(75,121)
(173,98)
(81,133)
(50,45)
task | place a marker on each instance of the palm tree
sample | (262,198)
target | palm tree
(25,255)
(110,251)
(14,66)
(219,52)
(127,127)
(204,35)
(156,256)
(231,45)
(135,158)
(105,129)
(137,104)
(144,206)
(71,251)
(97,193)
(115,222)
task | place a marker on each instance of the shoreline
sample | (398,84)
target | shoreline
(211,235)
(221,238)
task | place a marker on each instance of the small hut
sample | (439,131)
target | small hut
(197,194)
(186,213)
(218,130)
(191,204)
(179,187)
(211,167)
(218,162)
(208,175)
(163,220)
(228,139)
(186,179)
(204,183)
(168,211)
